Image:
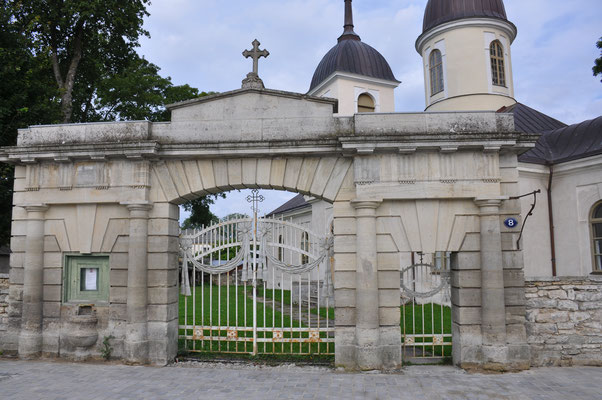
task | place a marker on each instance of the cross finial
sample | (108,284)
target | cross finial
(255,198)
(255,54)
(253,80)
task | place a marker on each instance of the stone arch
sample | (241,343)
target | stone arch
(177,181)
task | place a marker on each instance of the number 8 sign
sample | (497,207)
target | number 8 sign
(511,222)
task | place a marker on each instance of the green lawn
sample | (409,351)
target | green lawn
(278,294)
(221,307)
(227,309)
(432,326)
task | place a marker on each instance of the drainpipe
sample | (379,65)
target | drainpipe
(551,220)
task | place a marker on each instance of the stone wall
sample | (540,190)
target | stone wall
(3,304)
(564,321)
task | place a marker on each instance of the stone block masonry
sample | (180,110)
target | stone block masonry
(3,303)
(564,321)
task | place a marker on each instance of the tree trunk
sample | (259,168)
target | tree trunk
(66,85)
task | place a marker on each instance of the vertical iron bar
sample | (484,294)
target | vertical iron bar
(300,320)
(254,281)
(318,317)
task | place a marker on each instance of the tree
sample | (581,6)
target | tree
(598,63)
(82,36)
(27,97)
(200,213)
(139,92)
(74,61)
(235,216)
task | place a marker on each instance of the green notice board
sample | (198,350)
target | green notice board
(86,279)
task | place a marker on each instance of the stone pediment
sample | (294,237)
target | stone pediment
(249,115)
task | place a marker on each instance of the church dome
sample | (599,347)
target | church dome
(353,56)
(441,11)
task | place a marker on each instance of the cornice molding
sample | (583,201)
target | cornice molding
(508,27)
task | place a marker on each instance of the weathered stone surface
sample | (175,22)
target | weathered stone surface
(564,325)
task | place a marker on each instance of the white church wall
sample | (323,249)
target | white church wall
(576,187)
(536,235)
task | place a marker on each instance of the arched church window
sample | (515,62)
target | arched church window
(596,223)
(305,247)
(436,72)
(498,74)
(365,103)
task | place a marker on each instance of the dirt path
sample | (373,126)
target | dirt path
(307,319)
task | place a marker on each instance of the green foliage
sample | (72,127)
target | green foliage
(106,350)
(139,92)
(27,97)
(82,40)
(598,62)
(235,216)
(74,61)
(200,213)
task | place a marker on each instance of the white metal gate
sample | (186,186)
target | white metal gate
(257,286)
(426,309)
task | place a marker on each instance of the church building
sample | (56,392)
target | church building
(466,52)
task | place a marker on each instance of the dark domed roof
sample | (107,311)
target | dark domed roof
(442,11)
(355,57)
(352,55)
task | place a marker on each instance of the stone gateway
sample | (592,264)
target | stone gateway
(95,233)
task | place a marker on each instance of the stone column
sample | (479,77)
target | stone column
(493,308)
(136,337)
(366,290)
(30,337)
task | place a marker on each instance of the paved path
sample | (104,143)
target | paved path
(62,380)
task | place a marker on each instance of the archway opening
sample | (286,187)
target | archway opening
(257,279)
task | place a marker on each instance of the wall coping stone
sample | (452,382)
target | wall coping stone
(597,278)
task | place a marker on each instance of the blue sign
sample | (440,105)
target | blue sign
(511,222)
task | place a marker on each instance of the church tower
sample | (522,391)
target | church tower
(355,74)
(465,47)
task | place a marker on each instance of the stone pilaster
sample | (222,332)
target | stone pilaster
(493,306)
(136,338)
(30,337)
(367,335)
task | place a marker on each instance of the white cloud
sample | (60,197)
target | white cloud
(200,43)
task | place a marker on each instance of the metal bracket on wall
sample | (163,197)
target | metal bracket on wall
(534,194)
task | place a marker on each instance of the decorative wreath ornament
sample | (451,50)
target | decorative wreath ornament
(406,290)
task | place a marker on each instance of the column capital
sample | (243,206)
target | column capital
(490,203)
(138,206)
(360,204)
(38,207)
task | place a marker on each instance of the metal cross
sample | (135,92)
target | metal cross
(255,198)
(255,54)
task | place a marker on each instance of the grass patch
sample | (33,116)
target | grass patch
(278,294)
(225,306)
(429,320)
(414,316)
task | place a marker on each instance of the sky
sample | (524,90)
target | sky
(199,42)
